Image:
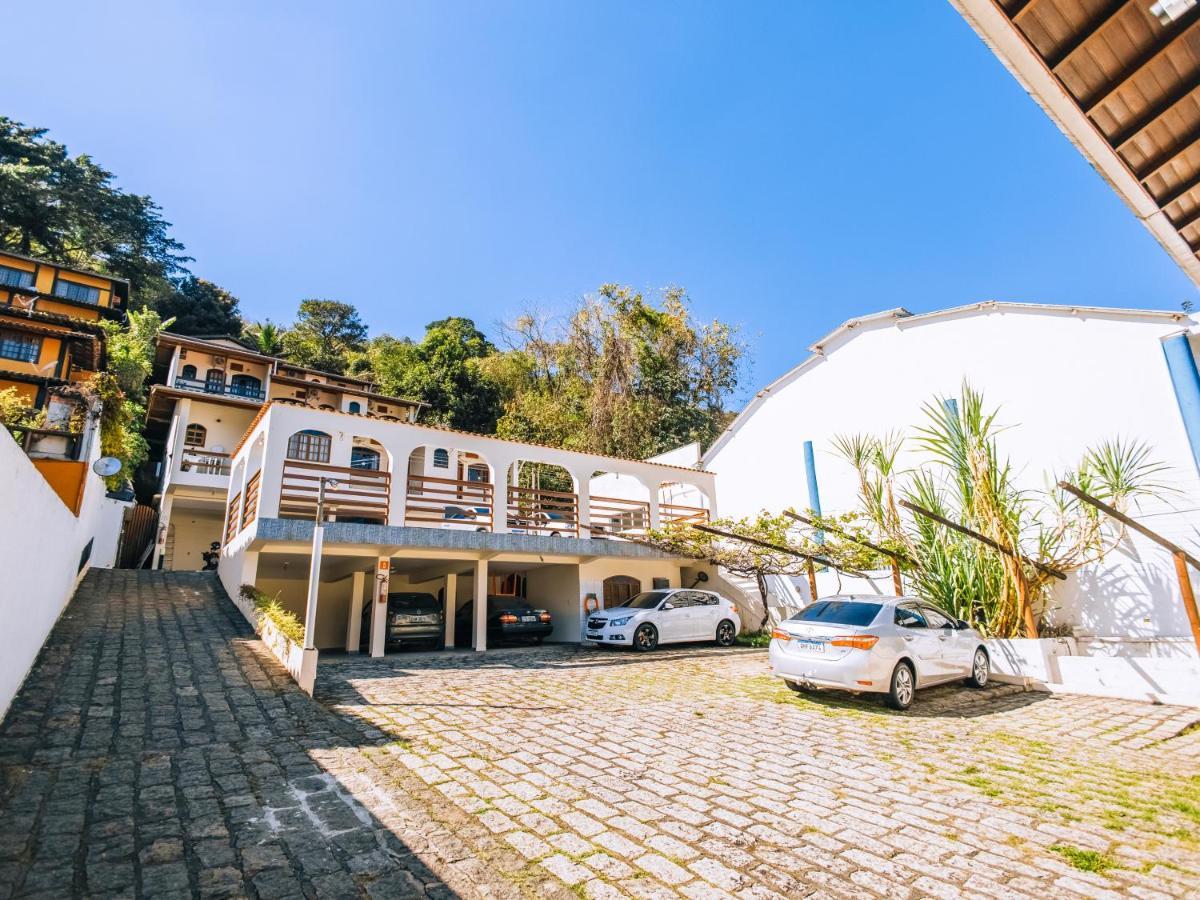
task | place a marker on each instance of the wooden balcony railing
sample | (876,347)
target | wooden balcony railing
(250,507)
(617,516)
(204,462)
(537,511)
(432,502)
(675,513)
(232,517)
(358,494)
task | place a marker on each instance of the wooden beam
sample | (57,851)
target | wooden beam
(891,554)
(1172,34)
(1093,27)
(1178,192)
(1022,9)
(1189,220)
(1182,91)
(778,548)
(1164,159)
(1134,524)
(1189,598)
(984,539)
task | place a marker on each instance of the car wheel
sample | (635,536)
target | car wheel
(903,687)
(980,669)
(725,633)
(537,640)
(645,638)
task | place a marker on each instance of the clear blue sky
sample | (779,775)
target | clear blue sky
(791,164)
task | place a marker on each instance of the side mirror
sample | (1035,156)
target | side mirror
(668,605)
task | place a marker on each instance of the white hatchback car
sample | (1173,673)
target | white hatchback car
(885,645)
(666,616)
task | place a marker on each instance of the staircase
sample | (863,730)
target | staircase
(784,598)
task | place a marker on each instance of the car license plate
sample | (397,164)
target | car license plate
(811,646)
(528,618)
(595,637)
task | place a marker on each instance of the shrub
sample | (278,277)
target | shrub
(269,608)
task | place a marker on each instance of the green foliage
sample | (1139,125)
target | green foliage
(15,410)
(327,333)
(200,307)
(1085,860)
(269,608)
(442,370)
(754,639)
(69,210)
(266,337)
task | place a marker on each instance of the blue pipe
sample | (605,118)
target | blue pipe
(814,496)
(1181,363)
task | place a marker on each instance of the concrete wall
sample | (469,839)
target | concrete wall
(1063,381)
(40,556)
(333,605)
(556,588)
(192,530)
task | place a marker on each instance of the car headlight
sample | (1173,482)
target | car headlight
(617,623)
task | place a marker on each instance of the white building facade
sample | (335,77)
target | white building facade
(1063,378)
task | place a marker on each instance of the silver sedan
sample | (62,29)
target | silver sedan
(883,645)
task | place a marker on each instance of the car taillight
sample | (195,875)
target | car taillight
(508,619)
(856,641)
(544,616)
(780,634)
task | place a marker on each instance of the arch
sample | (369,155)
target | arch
(619,588)
(441,458)
(245,386)
(354,407)
(195,435)
(188,372)
(363,457)
(437,498)
(309,445)
(619,505)
(541,499)
(683,503)
(214,381)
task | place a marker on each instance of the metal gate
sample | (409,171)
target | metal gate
(137,536)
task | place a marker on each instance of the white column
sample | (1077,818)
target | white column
(451,592)
(379,586)
(583,494)
(358,583)
(655,516)
(500,467)
(314,586)
(481,592)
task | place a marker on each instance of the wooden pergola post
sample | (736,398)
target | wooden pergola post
(1182,558)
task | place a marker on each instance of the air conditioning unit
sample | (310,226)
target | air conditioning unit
(218,361)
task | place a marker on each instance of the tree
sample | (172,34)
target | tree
(622,375)
(325,335)
(266,337)
(443,370)
(200,307)
(68,210)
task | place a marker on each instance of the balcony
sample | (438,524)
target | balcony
(243,392)
(204,462)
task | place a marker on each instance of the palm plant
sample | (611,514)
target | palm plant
(267,338)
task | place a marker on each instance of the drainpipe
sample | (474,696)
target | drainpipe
(1181,363)
(814,496)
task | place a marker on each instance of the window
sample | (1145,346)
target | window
(441,458)
(682,599)
(245,386)
(839,612)
(22,347)
(645,600)
(354,407)
(214,381)
(10,277)
(908,617)
(80,293)
(477,473)
(195,436)
(188,372)
(310,446)
(364,458)
(935,618)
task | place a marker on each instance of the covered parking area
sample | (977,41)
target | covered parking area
(363,563)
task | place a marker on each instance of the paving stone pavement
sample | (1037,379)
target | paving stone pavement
(158,750)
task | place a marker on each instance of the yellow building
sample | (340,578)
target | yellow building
(50,338)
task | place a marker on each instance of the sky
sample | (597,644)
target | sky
(791,164)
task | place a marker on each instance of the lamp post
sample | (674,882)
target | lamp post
(314,572)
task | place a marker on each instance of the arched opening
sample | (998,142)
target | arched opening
(354,406)
(188,373)
(245,386)
(619,588)
(542,500)
(435,499)
(682,504)
(369,454)
(214,381)
(309,446)
(620,506)
(195,435)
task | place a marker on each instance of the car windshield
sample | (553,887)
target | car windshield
(411,601)
(495,603)
(644,600)
(839,612)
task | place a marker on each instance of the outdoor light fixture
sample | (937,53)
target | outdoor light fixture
(1168,11)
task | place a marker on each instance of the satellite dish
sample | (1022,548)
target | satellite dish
(106,466)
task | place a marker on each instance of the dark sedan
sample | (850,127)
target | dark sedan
(508,619)
(413,619)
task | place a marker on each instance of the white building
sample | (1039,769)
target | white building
(1065,378)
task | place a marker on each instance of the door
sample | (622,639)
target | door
(956,655)
(674,618)
(924,643)
(706,616)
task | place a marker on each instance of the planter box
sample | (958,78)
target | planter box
(300,663)
(1028,661)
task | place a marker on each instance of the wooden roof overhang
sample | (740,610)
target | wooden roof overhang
(1123,83)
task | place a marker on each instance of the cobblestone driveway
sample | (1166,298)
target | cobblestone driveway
(158,751)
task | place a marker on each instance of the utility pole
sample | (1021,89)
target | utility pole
(314,572)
